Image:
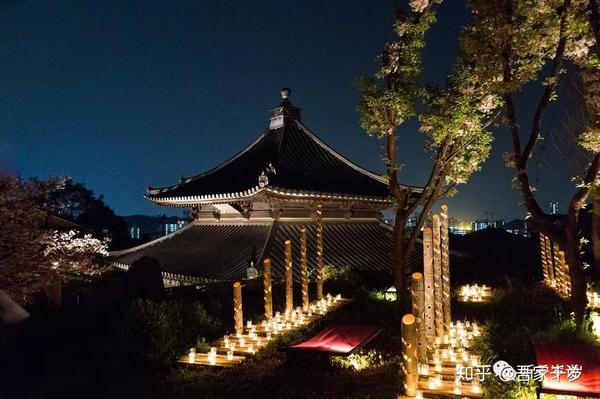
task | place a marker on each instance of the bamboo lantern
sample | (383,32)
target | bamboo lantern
(238,317)
(445,258)
(543,257)
(558,270)
(319,231)
(428,286)
(289,294)
(550,261)
(268,289)
(437,279)
(418,310)
(304,269)
(409,349)
(565,273)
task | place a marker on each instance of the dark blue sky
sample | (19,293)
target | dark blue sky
(125,94)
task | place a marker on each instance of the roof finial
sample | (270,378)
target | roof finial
(285,93)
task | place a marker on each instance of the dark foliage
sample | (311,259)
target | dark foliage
(144,279)
(494,255)
(76,202)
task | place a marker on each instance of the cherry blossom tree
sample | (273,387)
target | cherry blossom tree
(513,43)
(453,119)
(31,255)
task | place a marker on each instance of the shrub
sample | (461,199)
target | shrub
(151,334)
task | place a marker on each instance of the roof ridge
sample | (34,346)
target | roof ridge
(339,156)
(348,162)
(216,168)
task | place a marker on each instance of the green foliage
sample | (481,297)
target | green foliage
(331,272)
(517,315)
(567,331)
(359,361)
(454,119)
(387,103)
(152,333)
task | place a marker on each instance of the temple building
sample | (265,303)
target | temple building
(245,208)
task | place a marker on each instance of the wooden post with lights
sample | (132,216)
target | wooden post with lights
(238,317)
(268,297)
(289,294)
(428,286)
(566,285)
(437,279)
(559,270)
(544,258)
(418,310)
(319,233)
(409,354)
(445,259)
(304,269)
(550,262)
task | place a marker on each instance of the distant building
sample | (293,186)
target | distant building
(518,227)
(554,208)
(411,222)
(134,232)
(173,227)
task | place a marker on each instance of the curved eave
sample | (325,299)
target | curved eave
(179,278)
(271,191)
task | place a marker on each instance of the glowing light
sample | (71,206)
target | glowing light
(595,316)
(192,355)
(457,389)
(474,293)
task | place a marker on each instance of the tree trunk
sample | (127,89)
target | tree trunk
(575,264)
(399,252)
(596,229)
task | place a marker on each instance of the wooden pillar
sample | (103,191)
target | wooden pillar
(445,259)
(558,269)
(437,279)
(418,310)
(319,233)
(544,259)
(289,287)
(304,269)
(409,354)
(550,262)
(565,273)
(428,286)
(238,317)
(268,289)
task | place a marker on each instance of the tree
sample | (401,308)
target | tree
(512,43)
(31,255)
(454,120)
(75,201)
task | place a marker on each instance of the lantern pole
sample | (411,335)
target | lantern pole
(319,231)
(304,269)
(289,294)
(238,318)
(268,297)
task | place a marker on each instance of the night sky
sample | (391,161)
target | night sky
(121,95)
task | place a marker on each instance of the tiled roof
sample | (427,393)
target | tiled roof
(217,252)
(203,251)
(292,159)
